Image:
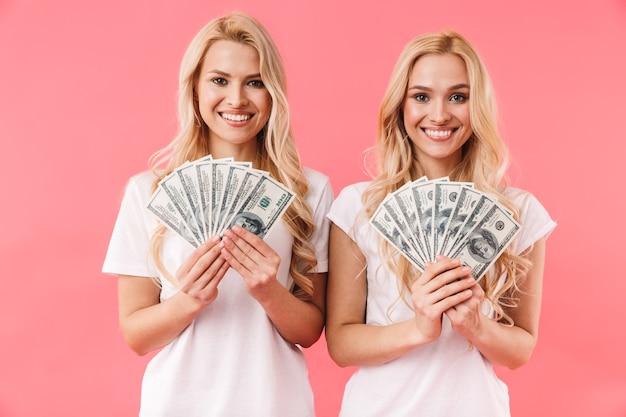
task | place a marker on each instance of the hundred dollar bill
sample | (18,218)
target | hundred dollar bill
(481,208)
(188,174)
(204,168)
(233,180)
(173,187)
(161,205)
(219,171)
(268,201)
(423,196)
(205,188)
(250,179)
(394,211)
(487,240)
(406,204)
(385,225)
(468,197)
(446,198)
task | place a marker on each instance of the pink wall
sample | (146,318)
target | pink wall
(87,93)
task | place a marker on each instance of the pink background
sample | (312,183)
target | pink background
(87,93)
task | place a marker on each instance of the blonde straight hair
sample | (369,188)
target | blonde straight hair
(484,162)
(276,149)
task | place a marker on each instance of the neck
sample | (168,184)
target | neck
(246,152)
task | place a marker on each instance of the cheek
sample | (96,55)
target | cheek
(265,107)
(206,103)
(411,116)
(464,117)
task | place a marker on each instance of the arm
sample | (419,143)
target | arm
(148,324)
(500,344)
(299,322)
(351,342)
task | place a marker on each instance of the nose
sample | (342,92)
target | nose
(236,96)
(439,113)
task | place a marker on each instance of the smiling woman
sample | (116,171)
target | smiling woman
(436,330)
(228,316)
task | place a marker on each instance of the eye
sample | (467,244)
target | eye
(256,83)
(458,97)
(421,97)
(219,81)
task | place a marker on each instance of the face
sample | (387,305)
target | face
(483,248)
(233,100)
(436,111)
(248,224)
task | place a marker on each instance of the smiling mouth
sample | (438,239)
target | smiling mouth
(236,117)
(438,134)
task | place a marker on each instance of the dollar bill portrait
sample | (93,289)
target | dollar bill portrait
(482,245)
(249,221)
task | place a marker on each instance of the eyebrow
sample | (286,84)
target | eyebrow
(219,72)
(454,87)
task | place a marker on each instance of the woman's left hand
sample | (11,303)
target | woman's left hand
(252,258)
(466,317)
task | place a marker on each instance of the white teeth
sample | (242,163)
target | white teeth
(236,117)
(438,133)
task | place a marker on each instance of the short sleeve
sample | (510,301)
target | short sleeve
(535,221)
(129,247)
(320,197)
(346,207)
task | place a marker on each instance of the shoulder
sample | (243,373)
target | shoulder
(344,212)
(139,186)
(315,178)
(533,217)
(349,199)
(523,200)
(320,193)
(142,180)
(319,183)
(354,191)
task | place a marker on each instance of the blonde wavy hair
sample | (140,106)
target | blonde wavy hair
(276,149)
(484,161)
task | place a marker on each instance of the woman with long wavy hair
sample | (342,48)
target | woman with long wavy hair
(228,317)
(425,342)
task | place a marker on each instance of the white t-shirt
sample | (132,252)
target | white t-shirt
(230,361)
(444,378)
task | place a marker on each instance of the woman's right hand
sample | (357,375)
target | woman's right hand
(443,284)
(200,274)
(146,322)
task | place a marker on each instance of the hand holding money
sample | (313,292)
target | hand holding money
(205,197)
(425,218)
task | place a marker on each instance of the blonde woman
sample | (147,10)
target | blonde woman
(425,342)
(228,317)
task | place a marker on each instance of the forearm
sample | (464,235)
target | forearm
(367,345)
(155,326)
(503,345)
(512,346)
(299,322)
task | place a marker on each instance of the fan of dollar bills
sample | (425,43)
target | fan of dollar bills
(203,198)
(425,218)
